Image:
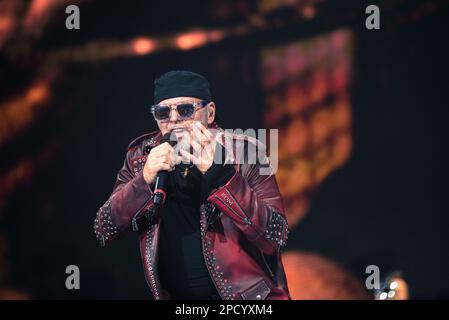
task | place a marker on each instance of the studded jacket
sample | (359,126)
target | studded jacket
(243,226)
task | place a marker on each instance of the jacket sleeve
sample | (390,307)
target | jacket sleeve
(253,202)
(130,197)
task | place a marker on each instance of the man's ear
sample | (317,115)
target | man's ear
(211,113)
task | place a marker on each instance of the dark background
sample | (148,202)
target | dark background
(387,206)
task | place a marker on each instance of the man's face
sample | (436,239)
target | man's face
(205,115)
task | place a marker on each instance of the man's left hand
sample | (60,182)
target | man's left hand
(203,144)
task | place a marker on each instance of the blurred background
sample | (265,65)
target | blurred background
(362,119)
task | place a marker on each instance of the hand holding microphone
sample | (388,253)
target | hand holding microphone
(163,158)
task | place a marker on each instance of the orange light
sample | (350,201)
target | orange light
(37,93)
(314,277)
(309,12)
(20,112)
(143,46)
(216,35)
(37,12)
(191,40)
(6,24)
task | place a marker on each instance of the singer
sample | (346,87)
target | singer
(218,225)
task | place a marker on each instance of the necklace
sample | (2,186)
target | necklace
(186,171)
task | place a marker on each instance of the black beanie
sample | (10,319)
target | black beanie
(181,83)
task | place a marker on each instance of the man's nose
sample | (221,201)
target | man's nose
(173,115)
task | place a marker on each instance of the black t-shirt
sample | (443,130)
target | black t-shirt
(181,263)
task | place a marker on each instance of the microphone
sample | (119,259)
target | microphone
(162,176)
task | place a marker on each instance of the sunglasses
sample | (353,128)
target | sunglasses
(185,110)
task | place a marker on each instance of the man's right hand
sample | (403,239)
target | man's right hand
(160,158)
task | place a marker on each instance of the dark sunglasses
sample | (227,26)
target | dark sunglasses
(185,110)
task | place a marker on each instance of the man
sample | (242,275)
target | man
(219,233)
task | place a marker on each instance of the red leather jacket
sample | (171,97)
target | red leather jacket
(243,226)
